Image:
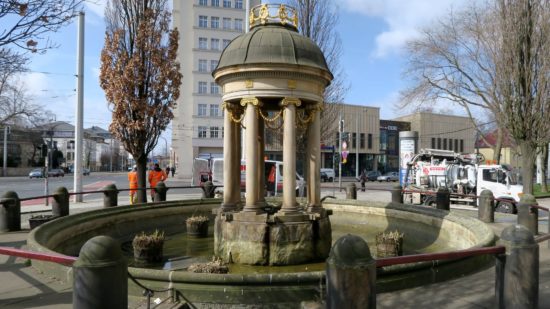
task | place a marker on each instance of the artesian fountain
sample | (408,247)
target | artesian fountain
(276,246)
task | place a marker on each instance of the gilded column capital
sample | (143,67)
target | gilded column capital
(250,100)
(287,101)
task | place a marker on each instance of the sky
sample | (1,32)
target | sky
(373,33)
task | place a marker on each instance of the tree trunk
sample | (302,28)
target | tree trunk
(544,185)
(498,146)
(142,178)
(528,154)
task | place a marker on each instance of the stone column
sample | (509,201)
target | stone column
(314,161)
(252,154)
(289,155)
(261,170)
(228,160)
(237,164)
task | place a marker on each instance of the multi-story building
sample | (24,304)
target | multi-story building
(447,132)
(388,159)
(206,27)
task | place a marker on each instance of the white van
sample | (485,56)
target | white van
(331,174)
(203,170)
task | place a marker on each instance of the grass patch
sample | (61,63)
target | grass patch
(538,193)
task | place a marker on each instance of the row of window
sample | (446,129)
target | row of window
(346,136)
(214,132)
(214,110)
(447,144)
(203,65)
(214,88)
(226,23)
(226,3)
(214,43)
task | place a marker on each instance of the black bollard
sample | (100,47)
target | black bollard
(100,275)
(443,199)
(60,204)
(351,191)
(110,196)
(160,192)
(519,287)
(397,194)
(351,274)
(10,213)
(208,190)
(486,207)
(527,216)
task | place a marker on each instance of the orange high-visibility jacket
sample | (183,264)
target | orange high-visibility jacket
(133,180)
(156,176)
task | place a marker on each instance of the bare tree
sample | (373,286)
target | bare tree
(454,61)
(524,77)
(26,23)
(140,75)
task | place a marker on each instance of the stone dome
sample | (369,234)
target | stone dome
(272,44)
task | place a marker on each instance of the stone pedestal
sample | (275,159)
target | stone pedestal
(264,239)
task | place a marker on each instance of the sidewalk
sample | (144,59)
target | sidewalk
(23,287)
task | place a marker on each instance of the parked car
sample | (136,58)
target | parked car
(329,172)
(56,172)
(372,175)
(390,176)
(324,177)
(36,173)
(86,171)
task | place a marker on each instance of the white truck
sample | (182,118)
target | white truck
(463,175)
(212,169)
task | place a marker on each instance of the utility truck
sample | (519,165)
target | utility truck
(463,174)
(212,169)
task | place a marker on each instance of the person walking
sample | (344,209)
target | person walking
(167,170)
(363,179)
(173,170)
(133,184)
(155,175)
(271,180)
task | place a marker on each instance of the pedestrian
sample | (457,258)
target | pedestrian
(167,170)
(155,175)
(271,180)
(173,170)
(133,184)
(363,179)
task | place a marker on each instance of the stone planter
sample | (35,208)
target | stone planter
(197,227)
(148,248)
(389,244)
(35,221)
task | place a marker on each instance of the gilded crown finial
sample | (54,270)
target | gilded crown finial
(273,14)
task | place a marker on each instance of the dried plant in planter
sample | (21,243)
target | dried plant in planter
(389,244)
(197,226)
(216,266)
(148,247)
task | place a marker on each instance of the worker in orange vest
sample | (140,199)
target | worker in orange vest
(156,175)
(133,180)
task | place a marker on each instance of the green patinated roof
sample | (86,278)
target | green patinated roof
(274,45)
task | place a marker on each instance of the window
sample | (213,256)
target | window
(494,175)
(354,140)
(203,2)
(203,21)
(202,87)
(362,140)
(214,132)
(433,142)
(450,144)
(213,64)
(202,110)
(238,24)
(226,23)
(461,145)
(225,43)
(215,2)
(214,89)
(202,132)
(239,4)
(215,44)
(214,110)
(456,145)
(203,43)
(444,144)
(203,64)
(226,3)
(214,22)
(369,141)
(439,143)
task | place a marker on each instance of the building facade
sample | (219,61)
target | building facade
(206,27)
(388,159)
(447,132)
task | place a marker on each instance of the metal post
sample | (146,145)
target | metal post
(351,191)
(527,216)
(351,274)
(5,163)
(10,212)
(486,207)
(340,129)
(396,194)
(60,203)
(356,147)
(110,195)
(160,192)
(520,285)
(79,119)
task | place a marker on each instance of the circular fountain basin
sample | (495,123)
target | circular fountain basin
(426,230)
